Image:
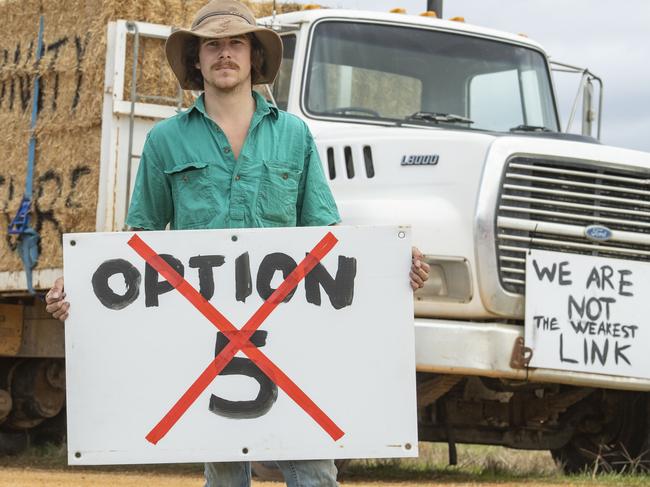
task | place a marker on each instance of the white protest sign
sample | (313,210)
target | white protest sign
(588,313)
(158,371)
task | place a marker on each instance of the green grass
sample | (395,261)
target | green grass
(478,463)
(42,456)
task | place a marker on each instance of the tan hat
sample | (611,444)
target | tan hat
(217,19)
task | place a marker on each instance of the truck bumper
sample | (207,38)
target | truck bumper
(485,349)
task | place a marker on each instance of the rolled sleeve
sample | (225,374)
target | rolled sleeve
(316,205)
(151,202)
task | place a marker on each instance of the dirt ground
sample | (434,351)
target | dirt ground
(26,477)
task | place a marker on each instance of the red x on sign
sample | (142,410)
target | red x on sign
(238,338)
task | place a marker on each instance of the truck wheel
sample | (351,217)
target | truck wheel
(612,439)
(269,470)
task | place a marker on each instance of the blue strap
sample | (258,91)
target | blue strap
(28,237)
(28,250)
(21,220)
(32,139)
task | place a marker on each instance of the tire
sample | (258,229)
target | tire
(269,470)
(612,439)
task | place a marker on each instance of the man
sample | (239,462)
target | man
(231,161)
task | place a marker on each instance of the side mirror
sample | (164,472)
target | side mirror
(590,113)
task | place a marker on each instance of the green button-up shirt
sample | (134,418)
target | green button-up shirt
(189,177)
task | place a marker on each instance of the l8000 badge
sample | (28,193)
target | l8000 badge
(420,160)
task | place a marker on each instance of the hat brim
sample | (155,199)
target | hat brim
(269,40)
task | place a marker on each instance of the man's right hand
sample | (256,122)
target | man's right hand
(55,301)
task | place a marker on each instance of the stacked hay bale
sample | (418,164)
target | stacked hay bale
(71,73)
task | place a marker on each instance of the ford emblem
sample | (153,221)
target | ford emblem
(598,233)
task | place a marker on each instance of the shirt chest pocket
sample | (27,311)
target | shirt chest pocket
(194,190)
(278,193)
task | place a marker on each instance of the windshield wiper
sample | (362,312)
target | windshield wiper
(530,128)
(438,117)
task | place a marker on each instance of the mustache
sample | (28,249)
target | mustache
(225,64)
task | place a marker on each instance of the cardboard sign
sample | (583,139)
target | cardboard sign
(247,344)
(588,313)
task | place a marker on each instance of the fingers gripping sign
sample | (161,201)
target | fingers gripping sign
(419,270)
(55,301)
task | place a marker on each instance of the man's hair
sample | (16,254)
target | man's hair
(191,58)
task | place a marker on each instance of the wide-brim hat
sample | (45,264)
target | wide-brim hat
(217,19)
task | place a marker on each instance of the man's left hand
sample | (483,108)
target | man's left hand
(419,269)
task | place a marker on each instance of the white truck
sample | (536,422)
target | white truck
(454,130)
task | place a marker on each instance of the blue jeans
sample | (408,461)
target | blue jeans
(297,473)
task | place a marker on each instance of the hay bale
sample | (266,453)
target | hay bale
(66,170)
(68,128)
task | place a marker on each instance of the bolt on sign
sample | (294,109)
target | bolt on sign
(247,344)
(587,314)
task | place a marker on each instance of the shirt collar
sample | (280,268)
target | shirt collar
(262,107)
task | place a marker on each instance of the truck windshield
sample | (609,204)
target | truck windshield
(367,71)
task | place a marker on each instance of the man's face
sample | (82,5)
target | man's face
(225,63)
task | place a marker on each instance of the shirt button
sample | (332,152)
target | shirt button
(238,177)
(285,175)
(227,150)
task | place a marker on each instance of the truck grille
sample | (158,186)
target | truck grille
(547,204)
